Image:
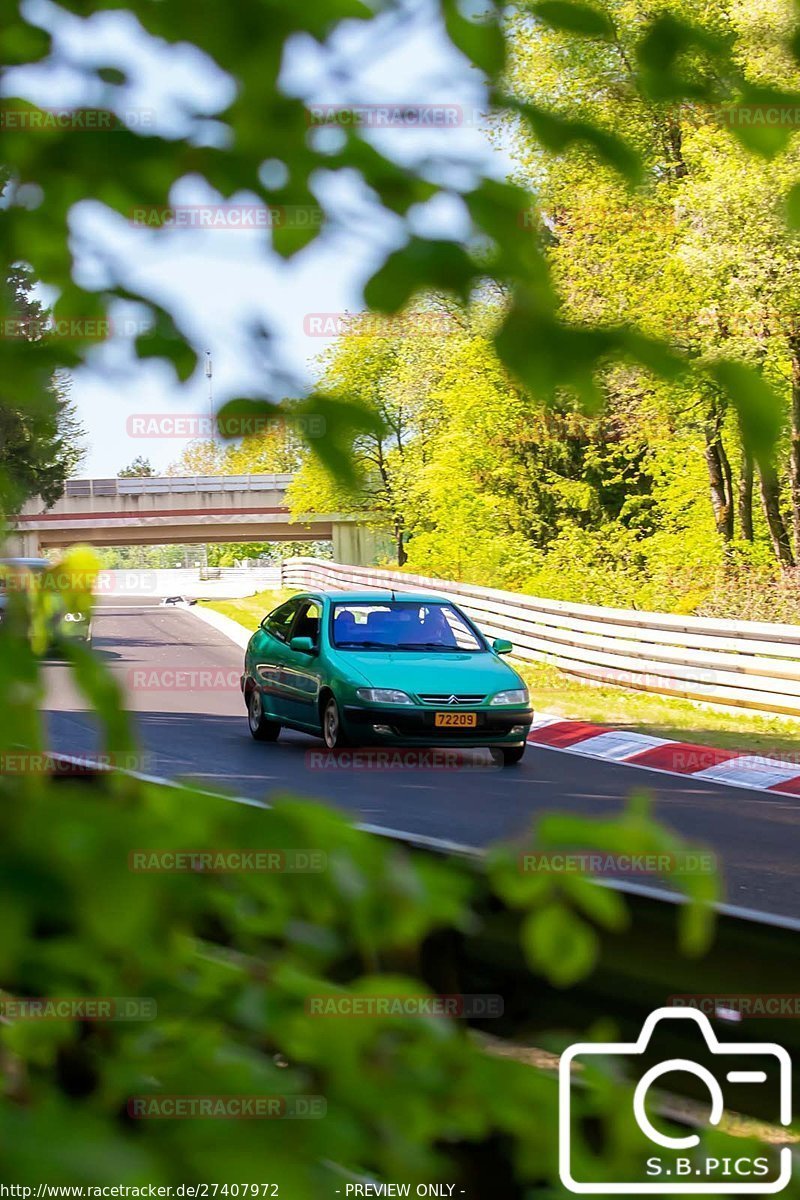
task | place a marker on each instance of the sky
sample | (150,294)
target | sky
(219,283)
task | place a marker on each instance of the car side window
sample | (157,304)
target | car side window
(308,621)
(279,622)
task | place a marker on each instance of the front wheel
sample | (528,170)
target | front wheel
(332,731)
(512,755)
(261,728)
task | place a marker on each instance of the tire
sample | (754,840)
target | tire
(512,755)
(332,731)
(262,729)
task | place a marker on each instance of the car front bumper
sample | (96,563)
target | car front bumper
(412,725)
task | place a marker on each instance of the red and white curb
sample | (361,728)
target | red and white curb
(763,772)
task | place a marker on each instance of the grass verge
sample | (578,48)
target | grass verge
(661,716)
(249,610)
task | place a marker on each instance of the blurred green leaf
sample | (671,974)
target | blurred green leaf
(421,264)
(570,16)
(559,944)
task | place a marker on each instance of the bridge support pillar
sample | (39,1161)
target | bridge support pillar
(359,545)
(22,545)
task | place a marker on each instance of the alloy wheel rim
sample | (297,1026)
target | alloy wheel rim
(331,725)
(255,709)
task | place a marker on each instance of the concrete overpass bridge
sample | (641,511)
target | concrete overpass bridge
(185,510)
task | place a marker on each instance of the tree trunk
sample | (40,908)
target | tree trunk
(674,147)
(770,500)
(746,496)
(727,475)
(794,446)
(402,557)
(719,482)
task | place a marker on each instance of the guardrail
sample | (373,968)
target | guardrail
(164,484)
(745,664)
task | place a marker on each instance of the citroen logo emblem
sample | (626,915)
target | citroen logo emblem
(453,700)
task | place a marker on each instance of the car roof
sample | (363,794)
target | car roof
(381,596)
(32,564)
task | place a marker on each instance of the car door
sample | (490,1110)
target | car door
(301,672)
(269,652)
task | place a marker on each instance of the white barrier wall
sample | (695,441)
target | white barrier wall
(231,583)
(748,664)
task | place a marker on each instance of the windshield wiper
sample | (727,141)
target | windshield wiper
(427,646)
(373,645)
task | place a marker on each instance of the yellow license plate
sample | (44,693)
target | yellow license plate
(456,720)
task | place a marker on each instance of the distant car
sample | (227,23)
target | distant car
(374,668)
(16,572)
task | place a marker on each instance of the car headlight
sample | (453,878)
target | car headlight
(74,616)
(515,696)
(383,696)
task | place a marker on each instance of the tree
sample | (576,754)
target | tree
(140,468)
(390,374)
(707,225)
(41,442)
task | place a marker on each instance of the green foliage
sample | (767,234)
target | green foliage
(231,960)
(233,963)
(139,468)
(40,436)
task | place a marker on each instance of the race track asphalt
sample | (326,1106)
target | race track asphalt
(181,677)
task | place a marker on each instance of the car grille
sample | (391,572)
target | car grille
(449,700)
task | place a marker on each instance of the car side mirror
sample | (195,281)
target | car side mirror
(502,646)
(303,645)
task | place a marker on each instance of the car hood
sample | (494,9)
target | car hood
(433,672)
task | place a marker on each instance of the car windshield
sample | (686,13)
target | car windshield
(402,625)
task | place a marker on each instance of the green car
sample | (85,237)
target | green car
(379,669)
